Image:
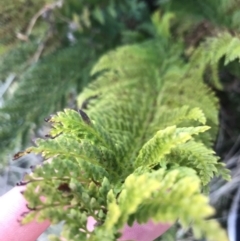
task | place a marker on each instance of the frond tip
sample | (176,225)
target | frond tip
(163,141)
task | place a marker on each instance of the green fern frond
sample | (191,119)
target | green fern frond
(149,195)
(108,161)
(177,116)
(162,24)
(212,51)
(163,142)
(199,157)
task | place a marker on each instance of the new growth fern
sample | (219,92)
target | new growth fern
(139,148)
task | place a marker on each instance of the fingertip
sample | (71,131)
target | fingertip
(12,207)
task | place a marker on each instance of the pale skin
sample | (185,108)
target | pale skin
(13,205)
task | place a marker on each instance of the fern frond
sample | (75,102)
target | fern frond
(199,157)
(149,195)
(177,116)
(117,146)
(162,142)
(212,51)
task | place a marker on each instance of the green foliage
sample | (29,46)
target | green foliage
(148,196)
(15,16)
(157,148)
(224,13)
(50,48)
(33,106)
(212,51)
(136,152)
(139,147)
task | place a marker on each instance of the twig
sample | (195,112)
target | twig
(224,190)
(46,8)
(41,47)
(234,149)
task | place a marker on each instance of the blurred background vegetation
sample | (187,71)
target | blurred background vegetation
(47,48)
